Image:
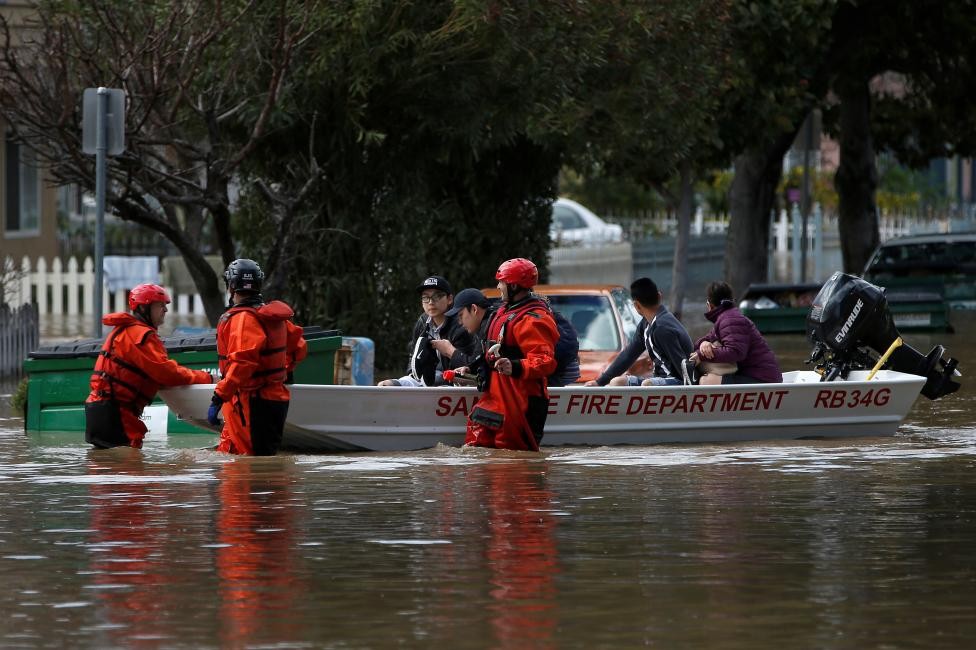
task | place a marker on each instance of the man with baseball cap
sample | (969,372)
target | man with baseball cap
(426,362)
(472,310)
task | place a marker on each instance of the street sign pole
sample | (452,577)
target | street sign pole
(102,135)
(101,139)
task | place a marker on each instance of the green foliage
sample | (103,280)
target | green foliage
(902,189)
(439,129)
(822,189)
(924,54)
(776,69)
(18,401)
(714,190)
(615,194)
(653,104)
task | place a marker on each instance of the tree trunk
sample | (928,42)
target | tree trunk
(753,192)
(679,270)
(208,285)
(857,178)
(204,278)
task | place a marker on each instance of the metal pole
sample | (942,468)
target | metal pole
(101,147)
(818,245)
(805,195)
(797,244)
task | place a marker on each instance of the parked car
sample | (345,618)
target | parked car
(604,318)
(936,263)
(574,224)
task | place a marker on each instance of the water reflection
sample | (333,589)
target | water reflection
(130,573)
(817,543)
(520,552)
(255,555)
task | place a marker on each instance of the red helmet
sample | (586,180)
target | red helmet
(146,294)
(518,271)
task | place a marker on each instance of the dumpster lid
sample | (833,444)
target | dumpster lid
(173,344)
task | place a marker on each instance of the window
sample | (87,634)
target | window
(566,218)
(593,319)
(22,189)
(629,317)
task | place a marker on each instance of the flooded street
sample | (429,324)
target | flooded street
(809,544)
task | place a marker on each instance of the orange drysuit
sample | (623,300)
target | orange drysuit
(257,346)
(129,371)
(511,414)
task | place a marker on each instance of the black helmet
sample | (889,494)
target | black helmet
(244,275)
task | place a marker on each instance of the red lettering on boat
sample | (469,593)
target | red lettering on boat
(613,405)
(763,401)
(731,401)
(666,402)
(461,407)
(596,404)
(443,406)
(698,402)
(715,399)
(747,400)
(831,399)
(780,394)
(635,404)
(553,404)
(574,400)
(650,406)
(682,405)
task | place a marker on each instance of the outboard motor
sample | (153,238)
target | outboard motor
(850,318)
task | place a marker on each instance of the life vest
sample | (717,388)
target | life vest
(566,350)
(498,328)
(272,367)
(116,379)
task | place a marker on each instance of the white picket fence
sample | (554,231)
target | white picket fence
(58,288)
(19,333)
(788,226)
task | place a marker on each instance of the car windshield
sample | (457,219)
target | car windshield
(629,317)
(592,316)
(566,218)
(919,259)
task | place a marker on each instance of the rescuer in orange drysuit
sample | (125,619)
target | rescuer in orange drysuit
(511,412)
(257,346)
(130,370)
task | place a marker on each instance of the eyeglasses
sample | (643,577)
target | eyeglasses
(432,298)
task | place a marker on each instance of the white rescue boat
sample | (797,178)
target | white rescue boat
(373,418)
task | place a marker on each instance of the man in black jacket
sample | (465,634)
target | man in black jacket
(473,311)
(659,333)
(426,362)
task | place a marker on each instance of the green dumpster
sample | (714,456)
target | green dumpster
(58,375)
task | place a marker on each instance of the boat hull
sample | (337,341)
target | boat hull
(345,418)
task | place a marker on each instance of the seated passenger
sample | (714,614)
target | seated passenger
(426,362)
(660,333)
(735,339)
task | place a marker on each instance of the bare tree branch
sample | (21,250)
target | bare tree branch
(203,79)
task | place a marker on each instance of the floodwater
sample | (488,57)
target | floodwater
(864,543)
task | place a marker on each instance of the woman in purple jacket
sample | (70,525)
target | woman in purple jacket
(735,339)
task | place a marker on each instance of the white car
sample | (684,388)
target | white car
(573,224)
